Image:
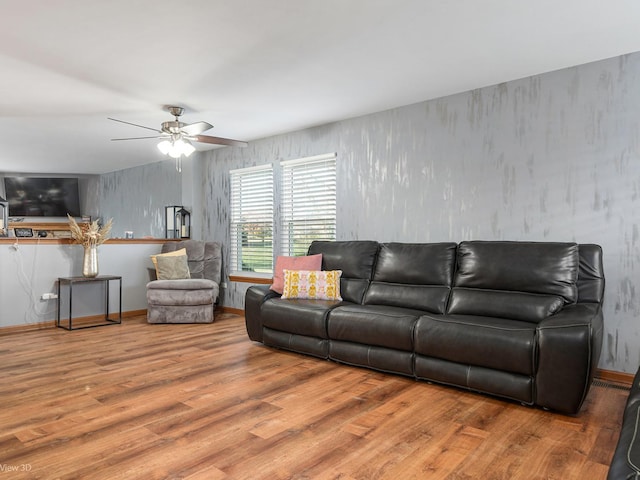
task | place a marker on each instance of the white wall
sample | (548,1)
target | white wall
(32,270)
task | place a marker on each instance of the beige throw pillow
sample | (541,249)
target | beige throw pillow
(173,267)
(177,253)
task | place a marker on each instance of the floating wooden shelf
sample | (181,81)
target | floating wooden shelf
(53,229)
(59,232)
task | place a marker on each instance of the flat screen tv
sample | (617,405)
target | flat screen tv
(42,197)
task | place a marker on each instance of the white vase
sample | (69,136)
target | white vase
(90,261)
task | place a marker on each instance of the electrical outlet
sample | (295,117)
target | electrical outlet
(48,296)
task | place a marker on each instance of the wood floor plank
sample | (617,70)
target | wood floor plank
(140,401)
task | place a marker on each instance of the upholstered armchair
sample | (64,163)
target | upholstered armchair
(187,300)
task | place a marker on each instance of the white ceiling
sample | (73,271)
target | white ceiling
(255,68)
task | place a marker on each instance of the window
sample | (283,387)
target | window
(252,219)
(308,202)
(304,192)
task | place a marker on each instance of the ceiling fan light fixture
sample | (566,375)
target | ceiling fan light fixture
(187,147)
(164,146)
(176,148)
(175,152)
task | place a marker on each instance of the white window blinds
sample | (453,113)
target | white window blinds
(308,202)
(252,219)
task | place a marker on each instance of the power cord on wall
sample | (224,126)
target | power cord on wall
(27,285)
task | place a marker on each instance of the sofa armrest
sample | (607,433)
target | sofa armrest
(569,345)
(255,296)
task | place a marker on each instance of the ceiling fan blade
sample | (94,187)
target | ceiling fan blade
(219,141)
(137,138)
(196,128)
(134,124)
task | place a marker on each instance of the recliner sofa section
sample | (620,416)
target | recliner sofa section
(520,320)
(625,464)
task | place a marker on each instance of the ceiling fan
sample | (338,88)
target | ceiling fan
(177,136)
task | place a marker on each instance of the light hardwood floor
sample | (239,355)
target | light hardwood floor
(203,402)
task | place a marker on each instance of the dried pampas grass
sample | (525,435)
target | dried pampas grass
(89,236)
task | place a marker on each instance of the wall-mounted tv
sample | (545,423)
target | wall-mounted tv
(42,197)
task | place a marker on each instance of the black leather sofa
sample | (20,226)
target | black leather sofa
(626,458)
(520,320)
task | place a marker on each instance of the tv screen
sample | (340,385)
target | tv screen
(42,197)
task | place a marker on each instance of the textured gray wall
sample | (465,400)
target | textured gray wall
(551,158)
(135,198)
(89,188)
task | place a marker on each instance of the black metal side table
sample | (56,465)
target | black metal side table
(105,280)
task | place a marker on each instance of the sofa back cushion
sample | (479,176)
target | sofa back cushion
(413,275)
(356,260)
(528,307)
(519,280)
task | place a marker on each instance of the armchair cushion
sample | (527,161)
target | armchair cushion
(194,291)
(182,284)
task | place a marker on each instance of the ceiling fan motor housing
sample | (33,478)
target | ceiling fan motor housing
(172,127)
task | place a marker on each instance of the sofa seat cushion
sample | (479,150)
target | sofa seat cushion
(495,343)
(378,325)
(298,316)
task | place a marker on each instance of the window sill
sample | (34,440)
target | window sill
(251,278)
